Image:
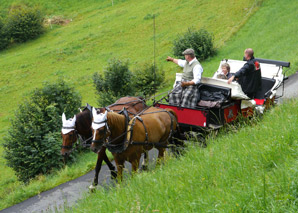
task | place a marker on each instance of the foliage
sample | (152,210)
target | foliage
(24,23)
(4,40)
(32,146)
(199,40)
(115,82)
(146,81)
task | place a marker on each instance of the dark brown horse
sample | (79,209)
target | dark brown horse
(81,124)
(128,140)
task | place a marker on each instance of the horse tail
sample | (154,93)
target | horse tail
(173,113)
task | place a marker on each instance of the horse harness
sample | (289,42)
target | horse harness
(121,147)
(121,111)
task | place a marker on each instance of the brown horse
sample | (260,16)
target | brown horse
(128,140)
(81,124)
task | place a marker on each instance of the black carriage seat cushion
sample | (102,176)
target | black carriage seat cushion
(267,84)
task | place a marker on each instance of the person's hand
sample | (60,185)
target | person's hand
(184,84)
(169,58)
(231,79)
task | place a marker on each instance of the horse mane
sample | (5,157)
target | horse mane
(117,123)
(83,123)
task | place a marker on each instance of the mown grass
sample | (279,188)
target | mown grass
(97,33)
(252,168)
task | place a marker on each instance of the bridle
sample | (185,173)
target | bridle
(107,142)
(73,135)
(106,131)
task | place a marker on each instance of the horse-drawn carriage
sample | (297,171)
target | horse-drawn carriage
(220,102)
(130,123)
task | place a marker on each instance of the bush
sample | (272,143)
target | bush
(4,39)
(145,81)
(201,41)
(115,82)
(32,146)
(24,23)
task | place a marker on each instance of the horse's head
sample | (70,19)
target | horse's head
(100,128)
(69,135)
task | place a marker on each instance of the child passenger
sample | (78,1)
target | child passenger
(225,73)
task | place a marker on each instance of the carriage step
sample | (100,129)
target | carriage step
(214,126)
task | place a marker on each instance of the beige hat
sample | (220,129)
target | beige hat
(189,52)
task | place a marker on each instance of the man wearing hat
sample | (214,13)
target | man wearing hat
(186,93)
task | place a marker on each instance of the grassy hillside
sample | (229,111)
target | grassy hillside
(250,169)
(100,31)
(97,33)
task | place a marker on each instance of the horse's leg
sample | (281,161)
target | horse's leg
(135,162)
(120,166)
(145,161)
(110,165)
(97,168)
(161,152)
(135,165)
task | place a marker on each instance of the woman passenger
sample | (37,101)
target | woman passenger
(225,73)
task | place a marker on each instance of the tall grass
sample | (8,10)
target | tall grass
(252,169)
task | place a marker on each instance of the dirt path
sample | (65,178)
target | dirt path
(68,193)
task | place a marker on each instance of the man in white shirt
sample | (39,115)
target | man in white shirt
(186,94)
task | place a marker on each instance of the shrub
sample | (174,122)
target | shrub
(115,82)
(24,23)
(201,41)
(4,39)
(32,146)
(145,81)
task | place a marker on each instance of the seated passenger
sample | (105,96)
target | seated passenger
(186,93)
(225,72)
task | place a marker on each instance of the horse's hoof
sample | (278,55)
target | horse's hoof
(144,167)
(92,188)
(113,175)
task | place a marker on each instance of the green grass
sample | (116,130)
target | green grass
(250,169)
(271,32)
(100,32)
(97,33)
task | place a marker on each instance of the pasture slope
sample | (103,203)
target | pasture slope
(99,32)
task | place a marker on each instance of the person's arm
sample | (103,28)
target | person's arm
(231,79)
(172,59)
(180,62)
(243,71)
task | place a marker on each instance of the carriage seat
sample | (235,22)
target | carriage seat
(267,84)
